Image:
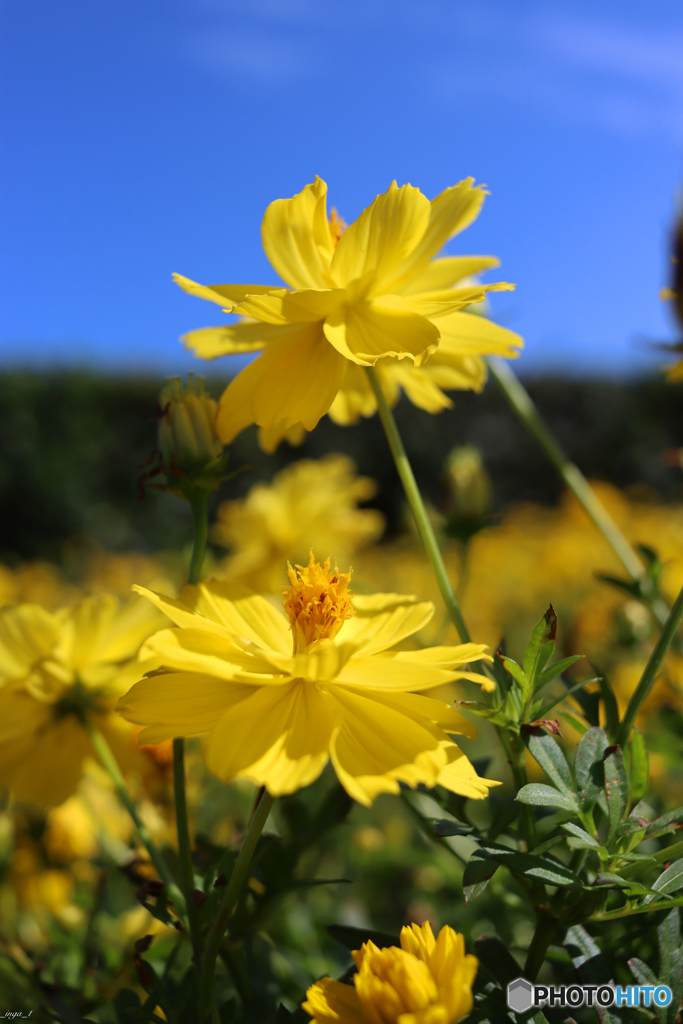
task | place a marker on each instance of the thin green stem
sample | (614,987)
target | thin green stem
(185,847)
(545,929)
(103,751)
(199,506)
(227,905)
(521,403)
(651,670)
(200,523)
(412,492)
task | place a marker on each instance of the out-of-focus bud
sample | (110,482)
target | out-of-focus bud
(191,455)
(187,437)
(467,488)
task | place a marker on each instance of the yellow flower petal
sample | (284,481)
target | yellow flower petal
(180,703)
(421,387)
(447,271)
(280,306)
(385,672)
(225,295)
(293,382)
(367,331)
(296,237)
(228,609)
(332,1002)
(468,332)
(459,776)
(450,212)
(378,746)
(198,650)
(384,620)
(279,738)
(27,634)
(434,711)
(381,239)
(355,398)
(233,339)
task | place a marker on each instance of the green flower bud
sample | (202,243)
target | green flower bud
(192,454)
(468,492)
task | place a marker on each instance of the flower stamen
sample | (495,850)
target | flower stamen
(317,603)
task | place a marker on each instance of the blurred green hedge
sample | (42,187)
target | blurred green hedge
(73,444)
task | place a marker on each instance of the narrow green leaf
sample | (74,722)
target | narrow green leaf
(541,869)
(671,960)
(642,973)
(540,648)
(639,768)
(575,723)
(124,1000)
(589,767)
(542,712)
(475,707)
(611,707)
(670,880)
(553,671)
(549,755)
(444,827)
(671,818)
(547,845)
(616,789)
(627,586)
(515,671)
(538,795)
(586,838)
(479,871)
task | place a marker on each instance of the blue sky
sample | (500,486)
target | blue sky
(147,136)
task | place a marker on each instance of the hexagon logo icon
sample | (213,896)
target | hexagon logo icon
(520,995)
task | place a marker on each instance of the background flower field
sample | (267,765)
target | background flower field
(77,890)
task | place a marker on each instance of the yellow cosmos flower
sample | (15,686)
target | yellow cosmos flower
(278,696)
(59,670)
(371,292)
(426,981)
(308,504)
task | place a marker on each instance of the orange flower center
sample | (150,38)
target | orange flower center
(317,603)
(337,226)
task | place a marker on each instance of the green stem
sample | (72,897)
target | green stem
(651,670)
(185,847)
(199,506)
(103,751)
(227,905)
(412,492)
(543,935)
(200,522)
(521,403)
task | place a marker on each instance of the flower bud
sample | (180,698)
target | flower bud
(192,454)
(468,492)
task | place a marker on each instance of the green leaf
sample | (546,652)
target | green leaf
(586,840)
(670,880)
(574,722)
(553,671)
(639,767)
(547,845)
(494,715)
(589,767)
(353,938)
(444,827)
(540,648)
(540,869)
(542,712)
(538,795)
(479,870)
(616,789)
(611,707)
(629,587)
(671,818)
(515,671)
(497,959)
(549,755)
(642,973)
(671,960)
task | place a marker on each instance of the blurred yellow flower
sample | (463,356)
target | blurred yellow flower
(58,672)
(426,981)
(279,699)
(371,292)
(309,504)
